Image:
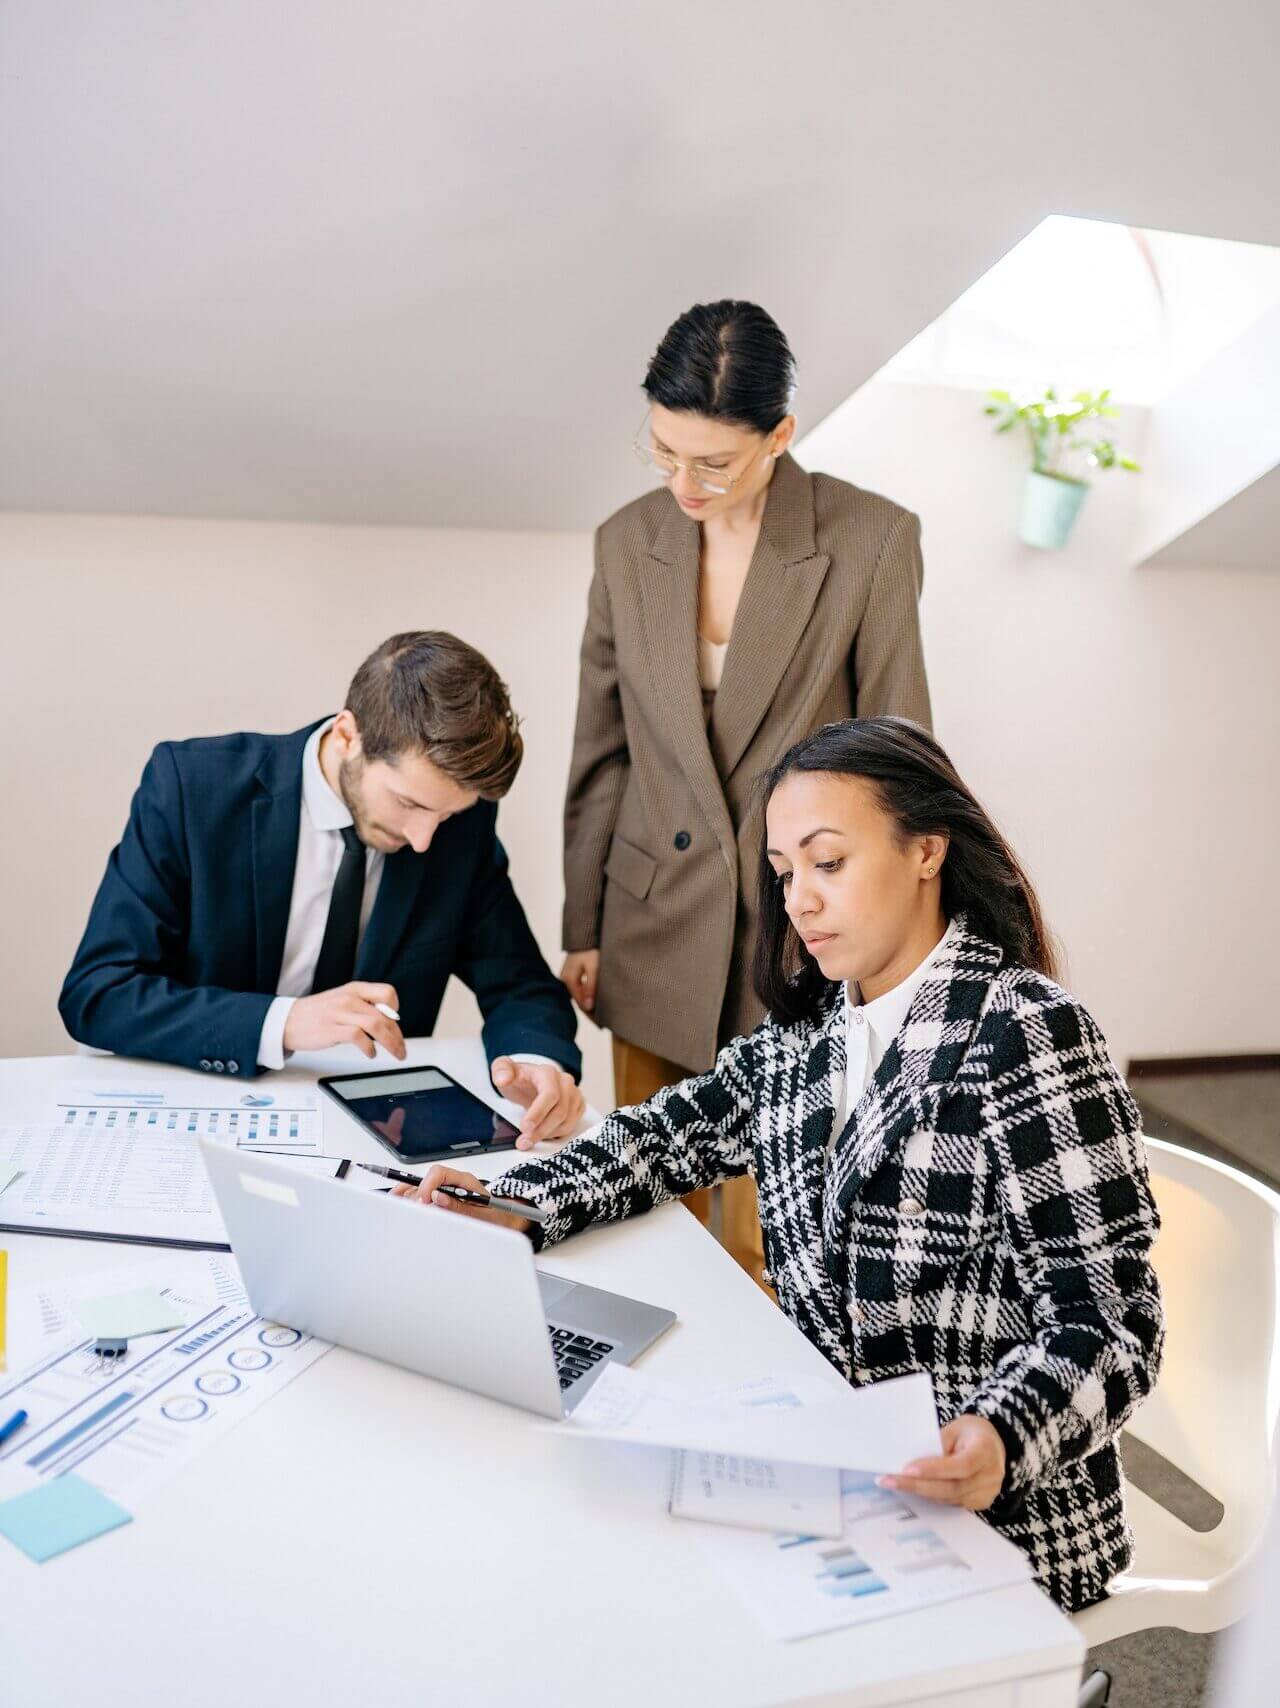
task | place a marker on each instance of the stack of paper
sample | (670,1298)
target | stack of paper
(815,1543)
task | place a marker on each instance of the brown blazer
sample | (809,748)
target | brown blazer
(661,847)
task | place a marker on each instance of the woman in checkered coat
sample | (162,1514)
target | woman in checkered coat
(950,1169)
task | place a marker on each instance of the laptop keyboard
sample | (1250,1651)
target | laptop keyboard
(575,1354)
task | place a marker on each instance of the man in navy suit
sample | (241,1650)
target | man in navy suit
(277,893)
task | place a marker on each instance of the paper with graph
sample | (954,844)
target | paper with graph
(896,1554)
(125,1426)
(284,1120)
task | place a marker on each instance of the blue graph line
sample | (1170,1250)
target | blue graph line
(86,1423)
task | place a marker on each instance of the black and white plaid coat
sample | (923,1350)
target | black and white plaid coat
(984,1216)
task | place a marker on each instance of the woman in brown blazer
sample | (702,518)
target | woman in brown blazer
(730,614)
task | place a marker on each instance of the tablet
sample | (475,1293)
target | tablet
(420,1114)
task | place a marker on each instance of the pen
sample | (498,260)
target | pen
(491,1201)
(389,1173)
(390,1013)
(14,1424)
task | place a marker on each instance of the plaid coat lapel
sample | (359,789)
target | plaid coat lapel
(920,1065)
(790,1173)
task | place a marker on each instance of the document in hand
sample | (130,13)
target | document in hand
(876,1428)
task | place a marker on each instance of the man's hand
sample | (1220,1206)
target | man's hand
(970,1472)
(579,975)
(553,1105)
(346,1015)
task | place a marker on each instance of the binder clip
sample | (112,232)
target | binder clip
(109,1350)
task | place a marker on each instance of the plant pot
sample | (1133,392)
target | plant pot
(1049,510)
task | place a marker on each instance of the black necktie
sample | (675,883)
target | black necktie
(337,959)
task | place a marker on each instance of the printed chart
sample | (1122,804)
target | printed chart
(896,1554)
(252,1120)
(125,1426)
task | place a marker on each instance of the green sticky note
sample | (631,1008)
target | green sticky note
(121,1316)
(58,1515)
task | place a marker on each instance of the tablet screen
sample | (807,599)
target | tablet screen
(421,1114)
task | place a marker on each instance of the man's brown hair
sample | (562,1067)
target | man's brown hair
(429,692)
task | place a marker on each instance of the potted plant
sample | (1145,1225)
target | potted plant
(1052,497)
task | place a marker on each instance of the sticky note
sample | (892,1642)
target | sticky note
(58,1515)
(121,1316)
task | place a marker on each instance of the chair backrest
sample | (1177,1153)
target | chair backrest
(1215,1409)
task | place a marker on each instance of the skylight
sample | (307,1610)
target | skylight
(1081,303)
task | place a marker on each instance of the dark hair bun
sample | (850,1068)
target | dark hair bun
(728,360)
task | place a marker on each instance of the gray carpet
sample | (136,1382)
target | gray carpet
(1232,1116)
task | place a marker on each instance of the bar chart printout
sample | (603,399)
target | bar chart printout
(897,1553)
(252,1121)
(125,1426)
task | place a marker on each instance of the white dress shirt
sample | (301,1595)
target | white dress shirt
(321,820)
(870,1027)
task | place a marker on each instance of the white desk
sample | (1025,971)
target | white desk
(372,1537)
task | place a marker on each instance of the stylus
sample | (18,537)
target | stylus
(383,1008)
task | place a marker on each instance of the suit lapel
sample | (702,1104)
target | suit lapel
(797,1164)
(402,876)
(918,1068)
(777,601)
(669,601)
(274,829)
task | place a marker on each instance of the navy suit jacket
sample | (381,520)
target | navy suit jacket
(182,952)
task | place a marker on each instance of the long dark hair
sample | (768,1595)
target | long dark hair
(923,794)
(728,360)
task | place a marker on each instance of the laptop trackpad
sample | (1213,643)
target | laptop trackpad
(553,1288)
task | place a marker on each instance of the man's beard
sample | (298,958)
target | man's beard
(350,771)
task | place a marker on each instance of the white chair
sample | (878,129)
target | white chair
(1214,1410)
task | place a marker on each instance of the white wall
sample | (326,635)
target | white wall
(117,633)
(1121,724)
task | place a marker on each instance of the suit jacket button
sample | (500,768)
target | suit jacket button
(682,840)
(219,1067)
(205,1064)
(233,1067)
(912,1207)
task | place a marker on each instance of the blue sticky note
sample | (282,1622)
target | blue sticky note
(58,1515)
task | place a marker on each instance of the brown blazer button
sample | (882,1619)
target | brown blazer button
(683,839)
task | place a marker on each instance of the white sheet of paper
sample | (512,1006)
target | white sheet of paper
(284,1120)
(896,1553)
(875,1428)
(144,1184)
(757,1494)
(125,1427)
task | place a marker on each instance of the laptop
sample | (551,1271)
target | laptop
(446,1295)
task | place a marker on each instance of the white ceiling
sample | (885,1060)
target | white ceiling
(405,261)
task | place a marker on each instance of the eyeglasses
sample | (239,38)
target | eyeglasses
(666,467)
